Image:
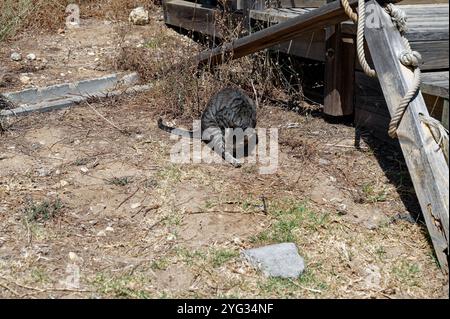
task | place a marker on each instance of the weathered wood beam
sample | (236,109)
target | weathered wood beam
(329,14)
(339,73)
(425,160)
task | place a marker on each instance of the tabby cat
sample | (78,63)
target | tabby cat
(229,108)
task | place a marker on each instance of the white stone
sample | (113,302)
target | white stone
(24,79)
(84,169)
(74,257)
(138,16)
(135,205)
(101,233)
(31,57)
(16,56)
(171,237)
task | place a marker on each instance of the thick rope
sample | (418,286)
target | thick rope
(349,11)
(408,58)
(439,132)
(360,39)
(360,19)
(401,108)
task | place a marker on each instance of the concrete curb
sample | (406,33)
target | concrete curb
(61,96)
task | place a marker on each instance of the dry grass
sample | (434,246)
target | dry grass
(49,15)
(138,226)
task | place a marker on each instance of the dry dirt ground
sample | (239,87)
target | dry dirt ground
(90,211)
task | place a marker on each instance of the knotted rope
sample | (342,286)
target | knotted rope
(408,58)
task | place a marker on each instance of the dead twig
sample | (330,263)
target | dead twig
(108,121)
(157,223)
(9,289)
(37,289)
(305,288)
(128,198)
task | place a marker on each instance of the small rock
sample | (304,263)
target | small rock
(406,216)
(42,172)
(374,219)
(372,279)
(109,228)
(279,260)
(237,240)
(15,56)
(63,183)
(84,169)
(135,205)
(24,79)
(241,271)
(74,257)
(342,209)
(31,57)
(323,161)
(96,209)
(138,16)
(101,233)
(171,237)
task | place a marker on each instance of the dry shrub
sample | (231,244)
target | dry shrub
(136,59)
(49,15)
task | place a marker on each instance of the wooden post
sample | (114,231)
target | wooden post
(339,72)
(425,160)
(248,5)
(445,114)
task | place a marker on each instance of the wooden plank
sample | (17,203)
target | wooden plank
(329,14)
(310,45)
(318,3)
(425,161)
(191,16)
(369,97)
(272,15)
(434,55)
(425,23)
(445,114)
(339,73)
(435,83)
(301,3)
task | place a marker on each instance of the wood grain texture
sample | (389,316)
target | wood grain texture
(191,16)
(425,161)
(435,83)
(326,15)
(339,73)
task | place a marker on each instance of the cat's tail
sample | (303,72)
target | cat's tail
(174,130)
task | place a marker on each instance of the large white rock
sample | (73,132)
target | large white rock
(138,16)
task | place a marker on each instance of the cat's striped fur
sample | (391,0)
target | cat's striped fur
(229,108)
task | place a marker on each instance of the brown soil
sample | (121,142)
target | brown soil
(132,224)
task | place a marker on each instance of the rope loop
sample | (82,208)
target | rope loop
(398,17)
(410,58)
